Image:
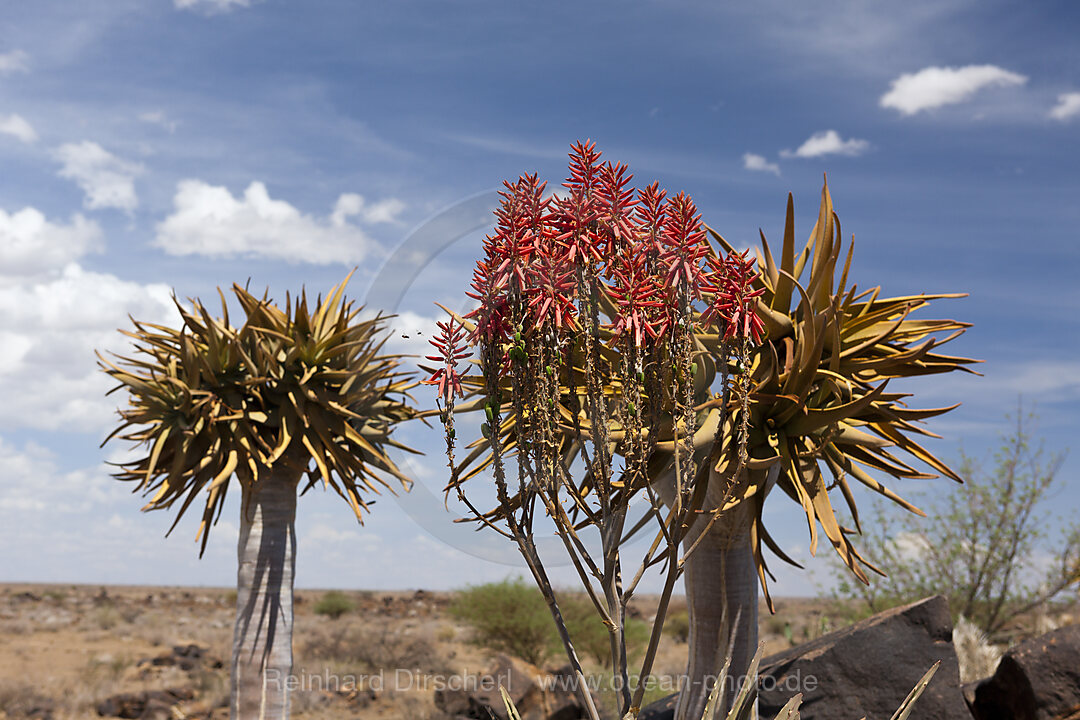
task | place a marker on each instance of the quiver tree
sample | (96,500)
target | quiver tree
(821,419)
(289,398)
(589,371)
(788,373)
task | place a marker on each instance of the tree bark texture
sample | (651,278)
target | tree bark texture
(721,598)
(262,640)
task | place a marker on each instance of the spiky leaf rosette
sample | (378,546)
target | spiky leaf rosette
(819,396)
(305,387)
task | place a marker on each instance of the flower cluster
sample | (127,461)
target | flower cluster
(729,282)
(638,248)
(598,263)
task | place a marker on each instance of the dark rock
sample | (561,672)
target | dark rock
(536,695)
(663,709)
(146,705)
(191,656)
(124,705)
(865,670)
(968,691)
(868,669)
(40,711)
(28,704)
(1037,680)
(358,698)
(187,657)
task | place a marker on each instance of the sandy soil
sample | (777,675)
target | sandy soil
(64,649)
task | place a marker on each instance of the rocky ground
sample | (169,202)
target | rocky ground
(67,650)
(82,652)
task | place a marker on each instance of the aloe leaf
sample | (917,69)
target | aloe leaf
(904,710)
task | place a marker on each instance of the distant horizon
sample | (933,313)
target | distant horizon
(677,593)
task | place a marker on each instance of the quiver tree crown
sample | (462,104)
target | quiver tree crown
(820,401)
(304,386)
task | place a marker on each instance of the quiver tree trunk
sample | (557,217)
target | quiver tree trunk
(262,640)
(721,599)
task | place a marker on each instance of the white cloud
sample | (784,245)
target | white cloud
(760,164)
(934,87)
(351,204)
(18,127)
(13,62)
(1056,380)
(107,180)
(34,483)
(1068,106)
(910,547)
(827,142)
(209,221)
(211,6)
(55,315)
(48,373)
(31,245)
(159,118)
(410,333)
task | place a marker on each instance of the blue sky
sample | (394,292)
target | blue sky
(159,146)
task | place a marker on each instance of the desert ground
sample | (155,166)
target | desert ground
(66,649)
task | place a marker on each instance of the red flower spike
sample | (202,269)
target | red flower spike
(651,217)
(684,244)
(574,218)
(584,166)
(492,325)
(446,342)
(551,292)
(616,205)
(521,226)
(639,300)
(730,283)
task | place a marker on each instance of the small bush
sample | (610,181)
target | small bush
(106,617)
(589,633)
(1000,522)
(334,604)
(677,626)
(509,616)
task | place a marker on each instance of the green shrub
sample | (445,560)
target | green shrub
(677,626)
(987,546)
(335,604)
(509,616)
(589,633)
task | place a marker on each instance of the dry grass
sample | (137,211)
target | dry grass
(24,701)
(372,649)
